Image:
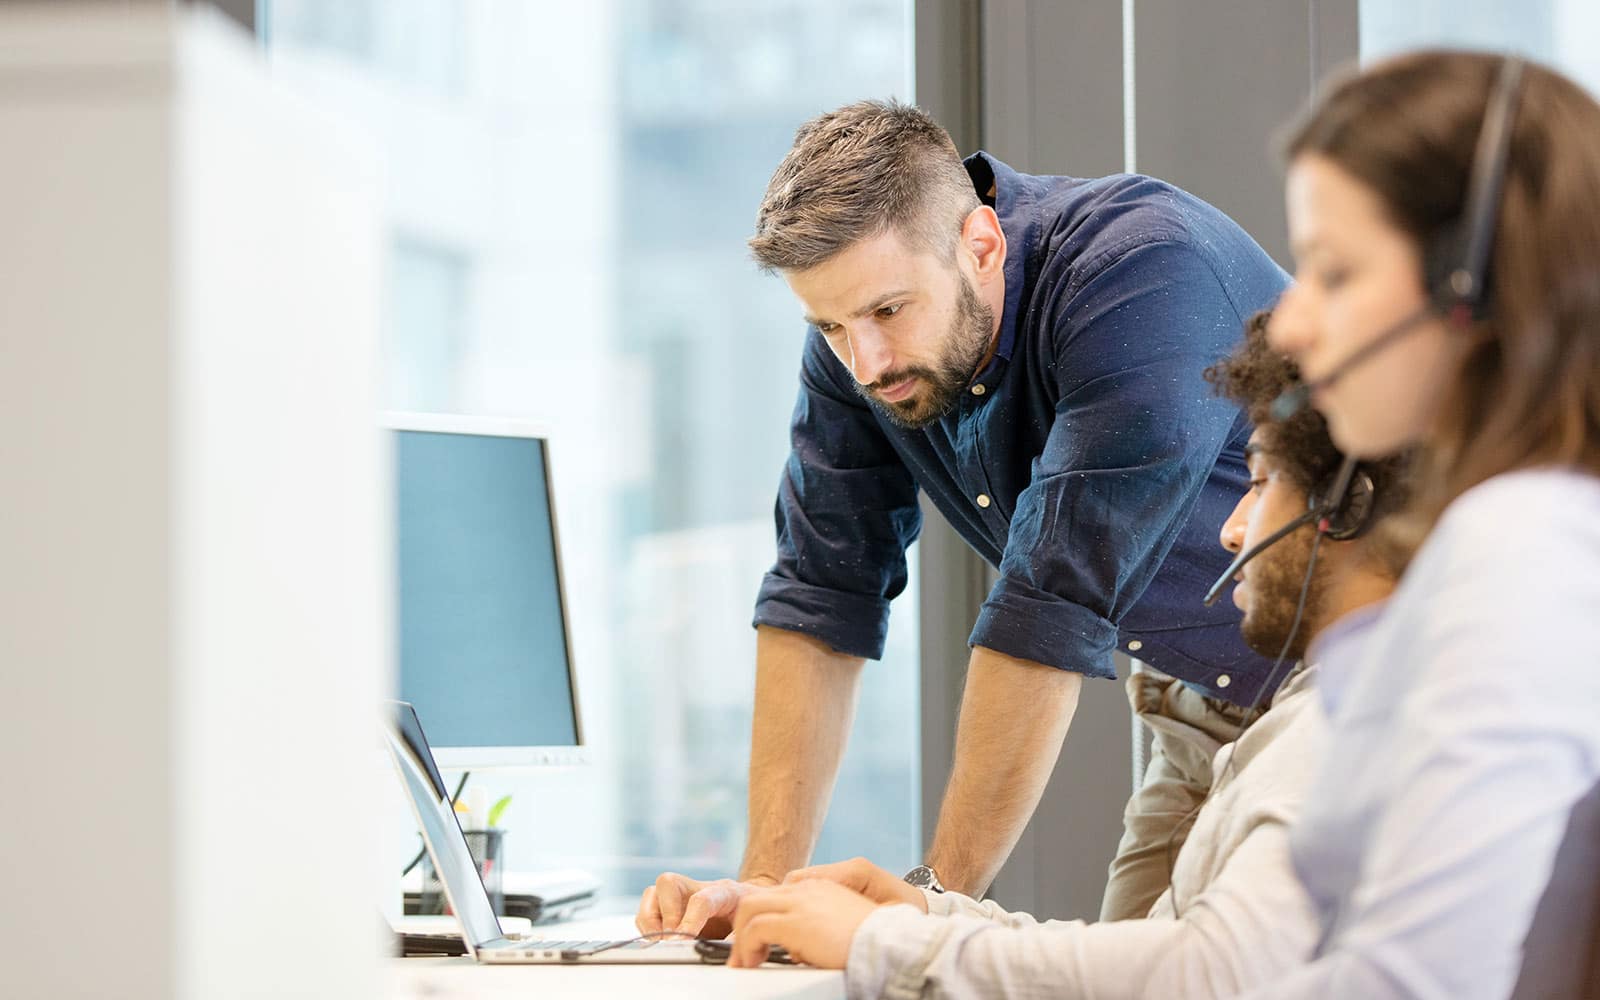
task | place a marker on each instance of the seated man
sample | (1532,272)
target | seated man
(1234,914)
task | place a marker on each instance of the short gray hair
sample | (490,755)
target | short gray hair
(855,173)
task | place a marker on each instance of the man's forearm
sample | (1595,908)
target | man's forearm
(1014,716)
(805,700)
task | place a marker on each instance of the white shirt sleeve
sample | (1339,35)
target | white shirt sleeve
(1254,921)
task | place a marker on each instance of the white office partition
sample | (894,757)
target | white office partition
(194,579)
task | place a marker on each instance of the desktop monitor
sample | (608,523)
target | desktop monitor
(483,642)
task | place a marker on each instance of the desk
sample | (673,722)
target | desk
(451,978)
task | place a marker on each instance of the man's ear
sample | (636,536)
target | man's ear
(984,242)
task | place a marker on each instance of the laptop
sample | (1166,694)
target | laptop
(480,928)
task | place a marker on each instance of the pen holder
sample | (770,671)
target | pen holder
(486,847)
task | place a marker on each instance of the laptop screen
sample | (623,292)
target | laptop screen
(437,818)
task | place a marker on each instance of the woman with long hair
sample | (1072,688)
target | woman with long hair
(1444,210)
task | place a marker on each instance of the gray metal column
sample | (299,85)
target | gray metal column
(1217,82)
(1052,85)
(1052,104)
(952,579)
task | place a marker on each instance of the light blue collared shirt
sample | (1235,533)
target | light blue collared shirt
(1337,651)
(1462,736)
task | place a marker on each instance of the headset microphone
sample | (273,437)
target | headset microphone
(1341,512)
(1292,401)
(1458,266)
(1255,550)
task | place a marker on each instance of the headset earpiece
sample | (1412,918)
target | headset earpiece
(1352,515)
(1457,262)
(1442,271)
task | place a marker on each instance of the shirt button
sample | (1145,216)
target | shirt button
(1135,646)
(1224,681)
(983,500)
(978,389)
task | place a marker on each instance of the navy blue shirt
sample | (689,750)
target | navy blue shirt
(1094,468)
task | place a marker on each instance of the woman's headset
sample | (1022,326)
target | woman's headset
(1456,263)
(1456,269)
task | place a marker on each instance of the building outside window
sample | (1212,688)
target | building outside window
(569,191)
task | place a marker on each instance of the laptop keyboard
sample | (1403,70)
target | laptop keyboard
(582,947)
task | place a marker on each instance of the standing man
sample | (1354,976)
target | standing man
(1236,915)
(1029,352)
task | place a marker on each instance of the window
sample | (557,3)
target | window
(1557,32)
(570,188)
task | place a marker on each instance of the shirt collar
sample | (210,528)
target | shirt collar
(1337,652)
(1014,197)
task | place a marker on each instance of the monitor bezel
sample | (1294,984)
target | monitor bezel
(456,758)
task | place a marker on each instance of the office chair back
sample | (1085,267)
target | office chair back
(1561,955)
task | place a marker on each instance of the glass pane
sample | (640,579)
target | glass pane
(1558,32)
(570,189)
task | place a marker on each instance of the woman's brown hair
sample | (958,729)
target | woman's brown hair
(1529,388)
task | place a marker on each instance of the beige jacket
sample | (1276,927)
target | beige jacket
(1234,917)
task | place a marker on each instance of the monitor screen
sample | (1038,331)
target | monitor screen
(482,630)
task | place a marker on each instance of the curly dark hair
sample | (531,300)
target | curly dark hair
(1254,377)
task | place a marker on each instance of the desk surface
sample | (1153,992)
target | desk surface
(447,978)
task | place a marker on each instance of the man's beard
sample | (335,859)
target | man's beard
(1276,578)
(965,345)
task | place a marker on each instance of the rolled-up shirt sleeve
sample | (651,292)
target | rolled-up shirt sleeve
(846,512)
(1136,432)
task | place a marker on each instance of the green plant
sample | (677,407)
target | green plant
(497,809)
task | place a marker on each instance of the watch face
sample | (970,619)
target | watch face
(923,878)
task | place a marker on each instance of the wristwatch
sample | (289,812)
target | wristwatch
(924,877)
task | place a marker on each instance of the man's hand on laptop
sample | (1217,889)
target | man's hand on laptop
(704,909)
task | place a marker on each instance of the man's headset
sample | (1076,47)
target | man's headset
(1341,507)
(1457,263)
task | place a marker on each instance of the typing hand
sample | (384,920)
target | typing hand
(704,909)
(863,876)
(815,919)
